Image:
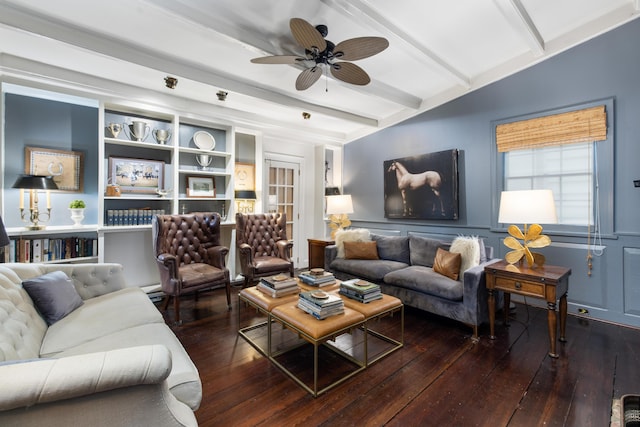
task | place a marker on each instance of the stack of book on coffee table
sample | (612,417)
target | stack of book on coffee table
(278,286)
(360,290)
(320,304)
(317,277)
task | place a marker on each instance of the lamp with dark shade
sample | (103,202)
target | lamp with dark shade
(33,183)
(331,191)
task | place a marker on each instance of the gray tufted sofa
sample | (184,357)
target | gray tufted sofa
(405,270)
(112,361)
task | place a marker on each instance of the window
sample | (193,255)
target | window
(566,169)
(578,171)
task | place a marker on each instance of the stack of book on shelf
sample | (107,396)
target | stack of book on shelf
(320,304)
(278,286)
(360,290)
(317,277)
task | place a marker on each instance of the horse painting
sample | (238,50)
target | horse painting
(422,187)
(413,181)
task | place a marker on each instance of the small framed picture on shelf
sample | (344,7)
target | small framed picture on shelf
(245,176)
(66,167)
(136,175)
(201,186)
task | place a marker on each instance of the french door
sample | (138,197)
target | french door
(282,186)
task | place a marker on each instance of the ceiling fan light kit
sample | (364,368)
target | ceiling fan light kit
(321,53)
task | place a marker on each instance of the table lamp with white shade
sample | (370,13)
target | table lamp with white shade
(528,207)
(337,208)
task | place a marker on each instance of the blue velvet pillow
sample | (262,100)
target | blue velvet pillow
(393,248)
(53,295)
(423,250)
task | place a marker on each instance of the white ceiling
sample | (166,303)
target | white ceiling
(439,50)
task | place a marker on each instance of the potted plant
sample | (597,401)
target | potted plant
(76,207)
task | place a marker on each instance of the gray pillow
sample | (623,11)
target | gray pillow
(53,295)
(423,250)
(393,248)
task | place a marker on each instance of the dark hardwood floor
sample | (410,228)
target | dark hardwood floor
(439,378)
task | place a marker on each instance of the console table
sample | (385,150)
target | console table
(547,282)
(316,251)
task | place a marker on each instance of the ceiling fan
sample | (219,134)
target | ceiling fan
(320,52)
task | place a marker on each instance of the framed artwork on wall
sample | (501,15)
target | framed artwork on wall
(136,175)
(66,167)
(422,187)
(245,176)
(201,187)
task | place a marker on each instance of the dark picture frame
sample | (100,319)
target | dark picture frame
(422,187)
(203,187)
(136,175)
(66,167)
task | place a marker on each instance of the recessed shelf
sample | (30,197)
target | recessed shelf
(145,144)
(53,229)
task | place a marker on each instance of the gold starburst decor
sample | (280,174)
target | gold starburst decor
(337,208)
(528,207)
(337,222)
(531,238)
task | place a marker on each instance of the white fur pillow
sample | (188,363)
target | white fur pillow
(355,235)
(469,250)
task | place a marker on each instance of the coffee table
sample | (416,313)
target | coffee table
(263,304)
(317,332)
(348,335)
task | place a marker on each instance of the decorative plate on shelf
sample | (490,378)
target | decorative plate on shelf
(204,140)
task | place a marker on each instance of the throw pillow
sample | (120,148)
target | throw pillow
(355,235)
(360,250)
(423,250)
(469,250)
(447,263)
(394,248)
(53,295)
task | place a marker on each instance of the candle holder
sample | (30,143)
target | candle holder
(33,183)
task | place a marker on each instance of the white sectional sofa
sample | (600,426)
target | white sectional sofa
(110,361)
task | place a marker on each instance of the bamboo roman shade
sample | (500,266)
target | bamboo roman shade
(585,125)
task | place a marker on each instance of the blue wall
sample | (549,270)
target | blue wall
(36,122)
(607,67)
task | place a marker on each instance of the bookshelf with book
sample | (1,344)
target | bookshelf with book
(52,249)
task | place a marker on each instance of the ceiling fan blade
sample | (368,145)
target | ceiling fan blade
(278,59)
(308,77)
(350,73)
(306,35)
(360,47)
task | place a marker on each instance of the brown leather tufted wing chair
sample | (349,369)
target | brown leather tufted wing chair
(263,245)
(189,255)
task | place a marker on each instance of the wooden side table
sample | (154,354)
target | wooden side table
(316,251)
(548,282)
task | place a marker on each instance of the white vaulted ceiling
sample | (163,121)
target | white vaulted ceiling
(439,50)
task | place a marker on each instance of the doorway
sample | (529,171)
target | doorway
(282,184)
